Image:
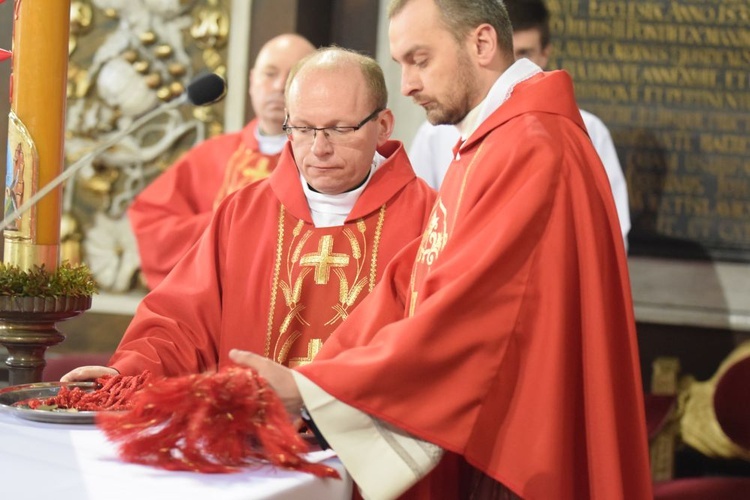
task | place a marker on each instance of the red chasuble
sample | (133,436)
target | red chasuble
(169,215)
(262,278)
(507,335)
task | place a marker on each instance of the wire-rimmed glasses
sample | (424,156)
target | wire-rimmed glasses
(333,134)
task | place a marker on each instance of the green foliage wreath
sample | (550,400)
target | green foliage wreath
(66,281)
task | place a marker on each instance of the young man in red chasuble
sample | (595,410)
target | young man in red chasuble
(286,260)
(505,338)
(169,215)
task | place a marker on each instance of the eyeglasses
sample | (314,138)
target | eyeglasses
(333,134)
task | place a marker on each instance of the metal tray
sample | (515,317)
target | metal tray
(11,395)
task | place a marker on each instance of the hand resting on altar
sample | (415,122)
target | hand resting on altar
(84,373)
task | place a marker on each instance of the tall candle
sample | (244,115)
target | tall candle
(38,98)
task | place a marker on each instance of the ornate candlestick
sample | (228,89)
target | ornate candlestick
(27,329)
(32,301)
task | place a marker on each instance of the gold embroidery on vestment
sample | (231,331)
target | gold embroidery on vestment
(287,346)
(320,264)
(413,301)
(435,235)
(275,281)
(256,172)
(324,260)
(347,296)
(375,246)
(356,252)
(241,171)
(313,347)
(293,293)
(298,248)
(471,166)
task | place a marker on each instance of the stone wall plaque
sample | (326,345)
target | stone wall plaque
(671,79)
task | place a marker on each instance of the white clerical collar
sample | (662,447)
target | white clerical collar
(270,144)
(329,210)
(521,70)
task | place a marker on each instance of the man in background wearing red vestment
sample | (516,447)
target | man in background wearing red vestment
(169,215)
(506,336)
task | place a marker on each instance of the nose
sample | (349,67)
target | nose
(280,81)
(409,81)
(320,147)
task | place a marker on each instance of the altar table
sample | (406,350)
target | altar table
(52,461)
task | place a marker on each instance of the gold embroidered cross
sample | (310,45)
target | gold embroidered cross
(256,172)
(324,260)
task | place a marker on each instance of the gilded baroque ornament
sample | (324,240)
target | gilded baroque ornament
(127,57)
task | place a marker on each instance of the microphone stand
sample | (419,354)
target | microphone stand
(89,157)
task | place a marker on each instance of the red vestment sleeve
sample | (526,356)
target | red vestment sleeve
(167,336)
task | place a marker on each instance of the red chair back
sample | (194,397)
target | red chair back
(732,403)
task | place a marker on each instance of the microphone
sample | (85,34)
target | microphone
(203,90)
(206,89)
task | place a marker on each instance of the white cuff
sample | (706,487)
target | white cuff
(383,460)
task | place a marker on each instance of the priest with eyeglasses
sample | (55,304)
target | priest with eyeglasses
(285,260)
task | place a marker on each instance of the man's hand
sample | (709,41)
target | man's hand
(84,373)
(278,376)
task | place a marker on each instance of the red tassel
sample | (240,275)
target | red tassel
(209,423)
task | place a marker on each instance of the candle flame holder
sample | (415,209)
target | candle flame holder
(28,328)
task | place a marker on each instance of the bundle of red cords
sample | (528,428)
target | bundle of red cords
(212,422)
(113,392)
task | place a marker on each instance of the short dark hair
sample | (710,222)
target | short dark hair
(529,14)
(462,16)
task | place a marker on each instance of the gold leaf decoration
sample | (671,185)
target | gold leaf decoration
(287,346)
(356,290)
(298,284)
(343,285)
(298,228)
(298,248)
(289,317)
(356,250)
(287,292)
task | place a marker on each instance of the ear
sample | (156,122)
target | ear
(484,42)
(545,56)
(385,122)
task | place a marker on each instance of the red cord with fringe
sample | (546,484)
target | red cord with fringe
(212,422)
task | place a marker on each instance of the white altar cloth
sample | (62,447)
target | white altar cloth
(44,461)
